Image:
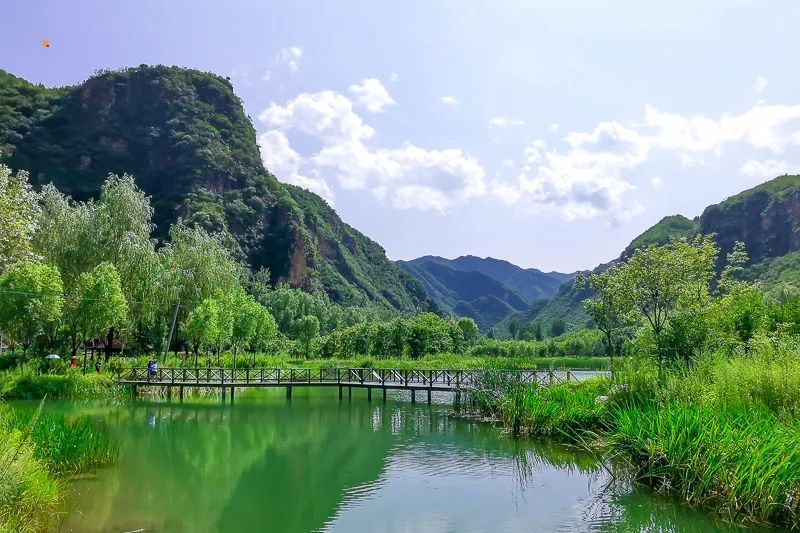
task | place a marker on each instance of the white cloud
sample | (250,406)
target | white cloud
(656,182)
(290,56)
(509,163)
(267,76)
(768,169)
(327,115)
(402,173)
(421,197)
(284,162)
(393,77)
(371,93)
(554,127)
(503,122)
(590,175)
(760,84)
(451,101)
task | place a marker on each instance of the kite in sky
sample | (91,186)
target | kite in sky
(46,43)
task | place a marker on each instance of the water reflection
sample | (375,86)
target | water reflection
(318,464)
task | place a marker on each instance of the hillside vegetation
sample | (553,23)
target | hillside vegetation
(185,138)
(485,289)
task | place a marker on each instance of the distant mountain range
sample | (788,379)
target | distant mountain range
(485,289)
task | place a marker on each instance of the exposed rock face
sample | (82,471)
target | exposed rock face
(766,219)
(186,139)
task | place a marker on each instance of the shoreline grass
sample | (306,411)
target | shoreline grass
(722,435)
(38,453)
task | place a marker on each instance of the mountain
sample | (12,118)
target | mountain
(485,289)
(765,218)
(184,136)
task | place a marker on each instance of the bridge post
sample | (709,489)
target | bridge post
(413,395)
(349,392)
(233,394)
(223,394)
(369,394)
(288,392)
(169,394)
(429,396)
(181,393)
(340,392)
(457,400)
(133,392)
(384,395)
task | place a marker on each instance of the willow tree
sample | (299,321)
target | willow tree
(98,306)
(31,300)
(19,213)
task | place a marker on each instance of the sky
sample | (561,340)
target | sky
(549,134)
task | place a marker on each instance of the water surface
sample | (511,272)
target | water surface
(317,464)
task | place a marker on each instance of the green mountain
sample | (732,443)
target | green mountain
(184,136)
(765,218)
(485,289)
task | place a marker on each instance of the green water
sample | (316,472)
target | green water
(318,464)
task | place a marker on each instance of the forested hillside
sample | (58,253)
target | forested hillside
(485,289)
(185,138)
(765,218)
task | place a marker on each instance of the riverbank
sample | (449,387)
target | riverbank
(39,453)
(27,384)
(722,435)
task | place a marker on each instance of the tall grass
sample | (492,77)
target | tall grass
(722,434)
(741,464)
(29,494)
(25,383)
(66,446)
(37,452)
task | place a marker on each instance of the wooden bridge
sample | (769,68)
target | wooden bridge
(383,379)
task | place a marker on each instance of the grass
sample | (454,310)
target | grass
(741,464)
(66,446)
(37,452)
(723,435)
(25,383)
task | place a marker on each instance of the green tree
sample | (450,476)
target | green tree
(557,327)
(98,305)
(608,309)
(307,332)
(19,213)
(31,300)
(265,330)
(201,326)
(469,330)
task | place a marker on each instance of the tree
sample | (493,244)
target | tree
(557,327)
(19,213)
(307,331)
(201,326)
(608,308)
(98,304)
(469,330)
(31,299)
(537,331)
(265,330)
(245,312)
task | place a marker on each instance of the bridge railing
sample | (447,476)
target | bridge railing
(452,378)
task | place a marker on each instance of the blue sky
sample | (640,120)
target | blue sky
(546,133)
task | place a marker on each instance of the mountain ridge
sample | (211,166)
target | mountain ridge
(184,136)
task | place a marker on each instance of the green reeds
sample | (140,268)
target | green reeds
(742,465)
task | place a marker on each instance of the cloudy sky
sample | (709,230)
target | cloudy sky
(546,133)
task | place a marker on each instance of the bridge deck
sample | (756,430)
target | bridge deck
(436,380)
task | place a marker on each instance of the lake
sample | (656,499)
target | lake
(314,463)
